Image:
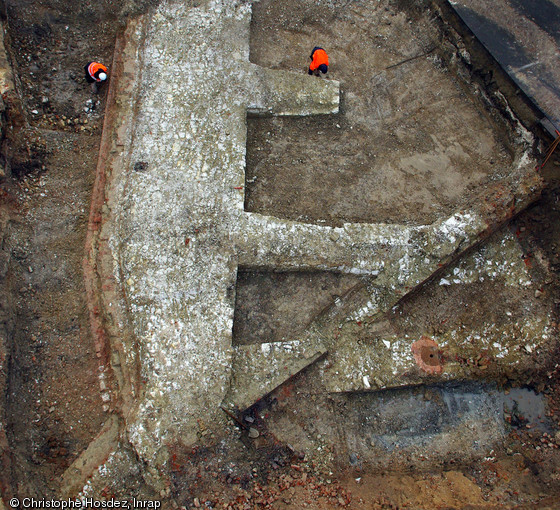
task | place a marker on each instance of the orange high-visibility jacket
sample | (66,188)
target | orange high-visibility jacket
(96,67)
(320,57)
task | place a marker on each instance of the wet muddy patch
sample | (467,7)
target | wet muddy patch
(275,307)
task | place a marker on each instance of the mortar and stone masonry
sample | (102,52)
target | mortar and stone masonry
(168,232)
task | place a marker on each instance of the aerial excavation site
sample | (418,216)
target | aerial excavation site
(280,254)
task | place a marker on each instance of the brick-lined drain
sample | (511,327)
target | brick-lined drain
(427,355)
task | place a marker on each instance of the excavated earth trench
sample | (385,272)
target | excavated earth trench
(428,127)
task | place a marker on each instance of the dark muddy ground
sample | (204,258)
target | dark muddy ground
(310,169)
(261,317)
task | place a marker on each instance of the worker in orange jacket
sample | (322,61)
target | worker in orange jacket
(319,61)
(96,74)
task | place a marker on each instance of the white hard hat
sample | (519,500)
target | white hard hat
(102,76)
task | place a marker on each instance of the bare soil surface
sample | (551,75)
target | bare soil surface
(309,169)
(54,404)
(409,144)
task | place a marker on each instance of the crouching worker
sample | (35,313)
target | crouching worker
(319,61)
(96,74)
